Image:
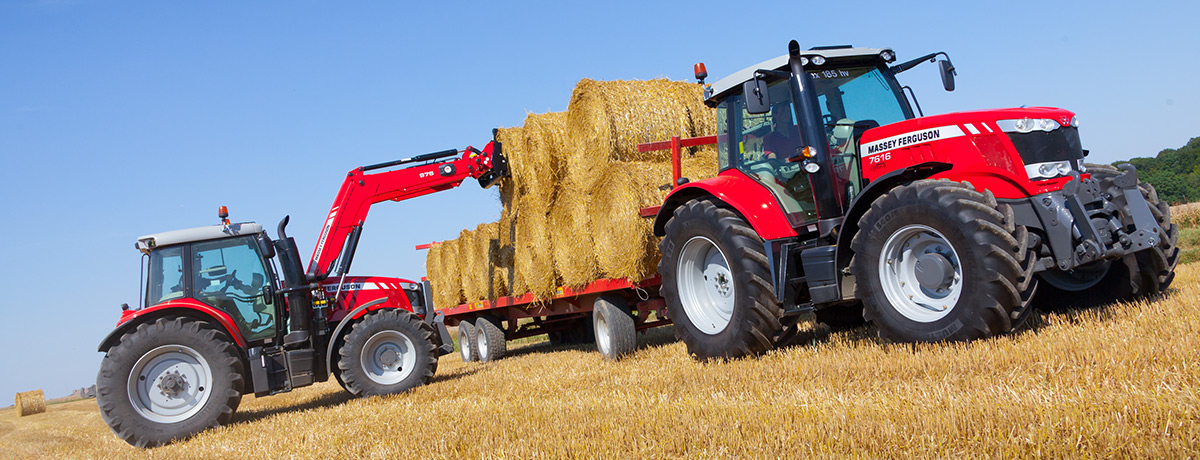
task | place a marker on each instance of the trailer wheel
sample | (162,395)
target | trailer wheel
(386,352)
(489,342)
(466,342)
(935,260)
(167,380)
(716,283)
(616,334)
(1146,272)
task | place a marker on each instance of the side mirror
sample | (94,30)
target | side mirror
(948,73)
(264,246)
(757,99)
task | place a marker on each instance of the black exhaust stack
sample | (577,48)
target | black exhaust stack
(812,135)
(296,287)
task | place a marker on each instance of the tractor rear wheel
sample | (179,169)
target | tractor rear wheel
(466,342)
(386,352)
(1146,272)
(716,283)
(169,379)
(937,261)
(489,342)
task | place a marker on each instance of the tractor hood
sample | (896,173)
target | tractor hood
(935,127)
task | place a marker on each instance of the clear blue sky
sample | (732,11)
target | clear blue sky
(119,119)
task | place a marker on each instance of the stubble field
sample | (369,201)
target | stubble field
(1121,381)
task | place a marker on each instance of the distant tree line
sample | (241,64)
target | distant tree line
(1175,173)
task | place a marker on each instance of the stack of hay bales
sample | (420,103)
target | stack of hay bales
(31,402)
(570,208)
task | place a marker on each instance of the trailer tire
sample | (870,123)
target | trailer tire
(1140,274)
(466,342)
(716,283)
(973,255)
(386,352)
(489,342)
(615,331)
(183,355)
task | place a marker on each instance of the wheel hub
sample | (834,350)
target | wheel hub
(171,384)
(705,285)
(388,357)
(934,271)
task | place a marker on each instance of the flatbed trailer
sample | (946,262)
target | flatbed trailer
(609,312)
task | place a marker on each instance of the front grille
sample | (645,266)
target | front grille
(1040,146)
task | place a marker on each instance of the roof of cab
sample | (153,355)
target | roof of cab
(734,80)
(149,242)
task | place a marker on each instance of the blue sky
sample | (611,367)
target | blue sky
(119,119)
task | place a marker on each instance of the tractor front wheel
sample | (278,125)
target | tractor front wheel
(937,261)
(716,282)
(168,380)
(386,352)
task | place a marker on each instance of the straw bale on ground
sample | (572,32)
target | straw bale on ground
(30,402)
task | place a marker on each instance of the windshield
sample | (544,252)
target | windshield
(861,94)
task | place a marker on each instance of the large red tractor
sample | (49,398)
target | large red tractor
(228,311)
(835,197)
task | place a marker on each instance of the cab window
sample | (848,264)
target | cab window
(229,275)
(165,276)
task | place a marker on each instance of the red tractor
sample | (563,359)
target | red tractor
(836,198)
(228,311)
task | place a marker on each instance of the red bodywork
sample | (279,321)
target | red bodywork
(358,290)
(996,166)
(186,306)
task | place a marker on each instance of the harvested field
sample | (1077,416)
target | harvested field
(1122,381)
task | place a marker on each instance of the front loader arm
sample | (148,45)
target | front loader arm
(362,188)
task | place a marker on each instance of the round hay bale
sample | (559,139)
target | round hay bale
(543,167)
(480,284)
(533,258)
(571,236)
(504,277)
(614,116)
(30,402)
(513,141)
(451,274)
(435,272)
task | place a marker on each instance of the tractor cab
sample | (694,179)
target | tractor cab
(762,134)
(222,266)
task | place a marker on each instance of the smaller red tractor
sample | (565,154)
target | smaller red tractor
(228,311)
(835,197)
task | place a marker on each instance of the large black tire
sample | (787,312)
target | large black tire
(1143,273)
(466,342)
(984,282)
(387,352)
(615,331)
(163,351)
(739,314)
(489,343)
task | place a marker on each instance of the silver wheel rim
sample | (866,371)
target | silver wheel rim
(481,344)
(464,344)
(388,357)
(705,285)
(1079,279)
(170,384)
(603,341)
(898,274)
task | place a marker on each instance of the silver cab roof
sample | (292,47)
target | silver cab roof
(734,80)
(212,232)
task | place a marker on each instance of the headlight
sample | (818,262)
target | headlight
(818,60)
(1028,125)
(1048,170)
(1074,122)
